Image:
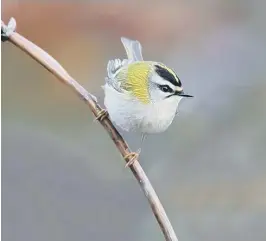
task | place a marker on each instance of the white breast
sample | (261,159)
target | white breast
(132,115)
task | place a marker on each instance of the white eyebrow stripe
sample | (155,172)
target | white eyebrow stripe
(160,81)
(178,88)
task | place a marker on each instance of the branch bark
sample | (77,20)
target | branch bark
(8,34)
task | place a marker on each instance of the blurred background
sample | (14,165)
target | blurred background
(62,177)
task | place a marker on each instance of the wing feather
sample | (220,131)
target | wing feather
(130,75)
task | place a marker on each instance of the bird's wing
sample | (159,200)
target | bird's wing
(114,66)
(132,79)
(133,49)
(116,75)
(129,75)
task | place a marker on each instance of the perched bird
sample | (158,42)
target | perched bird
(141,95)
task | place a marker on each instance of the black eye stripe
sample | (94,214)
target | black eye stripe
(165,74)
(165,88)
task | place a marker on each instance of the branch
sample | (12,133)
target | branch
(8,34)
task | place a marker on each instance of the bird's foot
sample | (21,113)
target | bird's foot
(132,157)
(101,115)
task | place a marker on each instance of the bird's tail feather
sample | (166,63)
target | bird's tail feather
(133,49)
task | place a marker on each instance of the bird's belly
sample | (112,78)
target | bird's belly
(156,120)
(131,115)
(121,109)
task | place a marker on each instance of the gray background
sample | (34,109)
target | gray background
(63,179)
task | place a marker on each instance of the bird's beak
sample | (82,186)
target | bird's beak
(182,94)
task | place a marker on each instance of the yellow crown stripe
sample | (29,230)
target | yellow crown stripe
(169,70)
(178,88)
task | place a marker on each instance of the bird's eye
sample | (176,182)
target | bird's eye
(166,88)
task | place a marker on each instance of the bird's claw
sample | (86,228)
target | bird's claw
(101,115)
(8,30)
(132,157)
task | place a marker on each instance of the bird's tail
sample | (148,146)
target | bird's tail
(133,49)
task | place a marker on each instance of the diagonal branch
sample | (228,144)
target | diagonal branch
(8,34)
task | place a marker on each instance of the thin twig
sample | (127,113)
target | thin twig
(8,34)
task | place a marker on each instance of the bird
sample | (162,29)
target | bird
(141,96)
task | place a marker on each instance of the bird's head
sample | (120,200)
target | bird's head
(165,84)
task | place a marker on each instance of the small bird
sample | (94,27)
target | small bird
(140,95)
